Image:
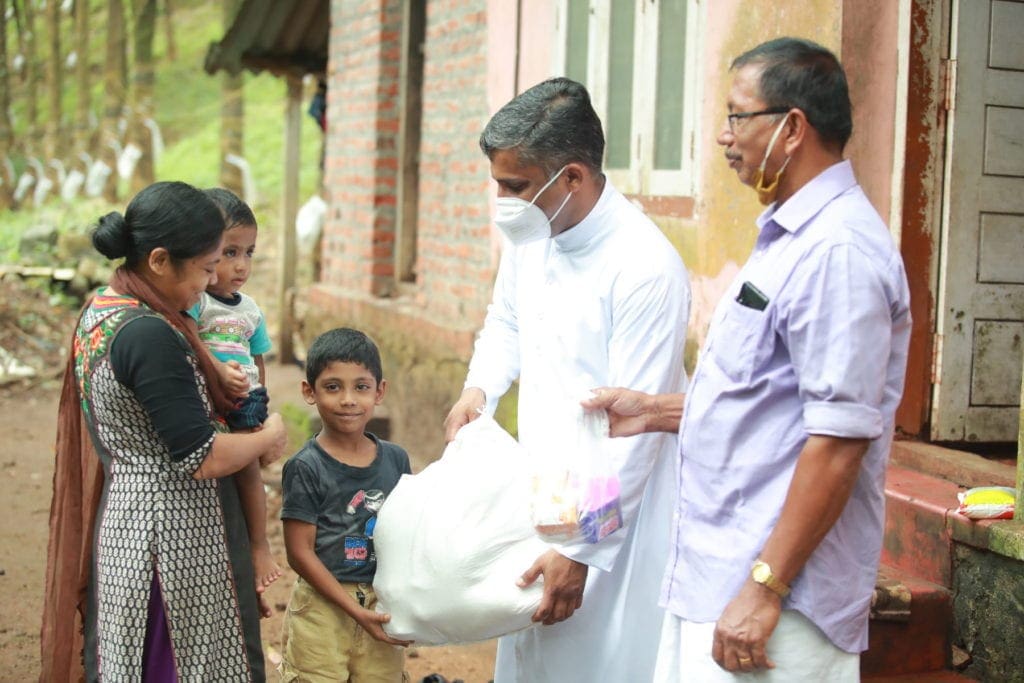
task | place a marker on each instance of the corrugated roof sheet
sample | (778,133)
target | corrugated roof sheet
(279,36)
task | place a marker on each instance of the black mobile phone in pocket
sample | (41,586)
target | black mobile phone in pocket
(752,297)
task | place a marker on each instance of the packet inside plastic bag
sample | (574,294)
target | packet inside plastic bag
(987,502)
(575,486)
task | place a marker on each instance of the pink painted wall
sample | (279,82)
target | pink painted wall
(869,54)
(716,239)
(516,60)
(726,209)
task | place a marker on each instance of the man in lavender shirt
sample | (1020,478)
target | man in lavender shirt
(788,421)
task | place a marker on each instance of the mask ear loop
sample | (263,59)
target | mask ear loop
(771,146)
(561,206)
(548,184)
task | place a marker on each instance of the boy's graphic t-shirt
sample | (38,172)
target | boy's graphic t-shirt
(342,501)
(233,328)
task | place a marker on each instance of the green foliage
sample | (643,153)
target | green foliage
(195,156)
(298,422)
(76,216)
(187,110)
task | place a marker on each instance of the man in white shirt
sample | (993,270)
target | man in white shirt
(589,293)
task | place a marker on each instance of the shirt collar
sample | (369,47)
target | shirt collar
(809,199)
(581,234)
(231,300)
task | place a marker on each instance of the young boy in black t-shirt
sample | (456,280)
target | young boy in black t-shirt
(333,488)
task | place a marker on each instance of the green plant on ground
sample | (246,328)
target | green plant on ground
(299,423)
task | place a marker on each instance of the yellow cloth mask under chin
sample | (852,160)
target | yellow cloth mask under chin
(766,193)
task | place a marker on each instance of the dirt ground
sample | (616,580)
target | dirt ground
(27,423)
(35,329)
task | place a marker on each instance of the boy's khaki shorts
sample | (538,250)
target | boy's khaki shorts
(326,644)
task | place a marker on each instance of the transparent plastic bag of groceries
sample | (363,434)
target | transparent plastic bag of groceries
(452,540)
(575,485)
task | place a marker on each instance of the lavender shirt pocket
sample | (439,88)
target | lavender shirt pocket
(736,346)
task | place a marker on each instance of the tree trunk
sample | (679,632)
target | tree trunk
(55,143)
(6,134)
(84,141)
(114,86)
(33,77)
(142,93)
(232,116)
(172,46)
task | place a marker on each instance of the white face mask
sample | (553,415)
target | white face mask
(522,221)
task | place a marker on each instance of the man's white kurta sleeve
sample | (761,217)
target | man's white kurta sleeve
(645,353)
(495,363)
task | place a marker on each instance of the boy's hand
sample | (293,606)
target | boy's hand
(469,407)
(233,378)
(371,622)
(277,437)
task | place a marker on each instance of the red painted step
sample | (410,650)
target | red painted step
(909,641)
(917,537)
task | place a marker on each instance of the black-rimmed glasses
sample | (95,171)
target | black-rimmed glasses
(739,116)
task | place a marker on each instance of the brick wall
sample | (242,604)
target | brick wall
(455,268)
(425,330)
(360,164)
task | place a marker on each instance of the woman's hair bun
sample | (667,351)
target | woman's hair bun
(110,236)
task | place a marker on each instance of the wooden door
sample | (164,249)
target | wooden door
(980,316)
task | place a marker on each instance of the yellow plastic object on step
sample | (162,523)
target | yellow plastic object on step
(987,502)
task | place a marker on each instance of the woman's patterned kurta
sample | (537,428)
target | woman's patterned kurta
(153,516)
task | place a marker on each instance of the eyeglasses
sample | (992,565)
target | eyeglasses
(739,116)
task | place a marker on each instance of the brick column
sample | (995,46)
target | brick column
(361,163)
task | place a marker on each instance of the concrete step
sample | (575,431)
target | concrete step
(966,469)
(910,627)
(917,518)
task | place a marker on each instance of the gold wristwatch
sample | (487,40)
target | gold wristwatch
(761,573)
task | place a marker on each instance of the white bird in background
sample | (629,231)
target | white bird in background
(72,184)
(70,187)
(43,183)
(156,138)
(248,184)
(26,181)
(309,223)
(128,160)
(96,179)
(58,166)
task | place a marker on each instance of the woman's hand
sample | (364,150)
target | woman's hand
(277,439)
